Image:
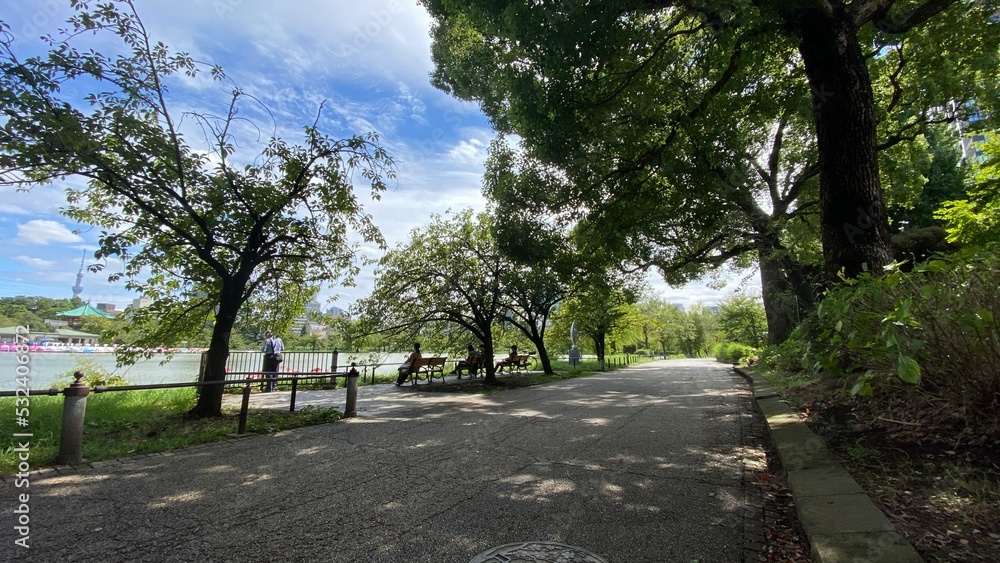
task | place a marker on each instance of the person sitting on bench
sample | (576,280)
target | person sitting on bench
(471,363)
(407,366)
(509,362)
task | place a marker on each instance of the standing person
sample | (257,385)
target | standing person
(272,348)
(407,366)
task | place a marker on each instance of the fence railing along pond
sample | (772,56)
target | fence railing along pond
(75,400)
(243,363)
(242,369)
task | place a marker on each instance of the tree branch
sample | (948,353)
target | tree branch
(900,23)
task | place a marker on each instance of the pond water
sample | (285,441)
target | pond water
(48,368)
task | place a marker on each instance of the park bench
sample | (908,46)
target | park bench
(521,362)
(473,367)
(427,368)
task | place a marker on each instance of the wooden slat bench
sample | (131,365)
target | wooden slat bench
(521,362)
(473,367)
(427,368)
(524,362)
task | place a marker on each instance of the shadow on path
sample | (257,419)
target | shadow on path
(640,464)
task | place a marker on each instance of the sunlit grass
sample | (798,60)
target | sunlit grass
(126,423)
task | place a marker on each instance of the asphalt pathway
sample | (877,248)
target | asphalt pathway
(639,464)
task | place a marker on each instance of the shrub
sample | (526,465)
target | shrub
(94,375)
(934,327)
(735,353)
(792,355)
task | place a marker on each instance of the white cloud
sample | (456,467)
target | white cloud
(39,200)
(34,262)
(708,291)
(472,151)
(42,231)
(367,61)
(353,40)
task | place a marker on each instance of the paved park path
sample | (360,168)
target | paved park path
(638,465)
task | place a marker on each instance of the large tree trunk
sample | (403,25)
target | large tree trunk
(529,327)
(210,397)
(543,354)
(853,219)
(787,292)
(599,346)
(780,315)
(490,366)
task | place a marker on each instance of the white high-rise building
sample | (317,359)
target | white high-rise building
(301,322)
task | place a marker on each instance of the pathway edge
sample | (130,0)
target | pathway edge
(840,521)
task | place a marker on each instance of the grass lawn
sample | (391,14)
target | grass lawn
(121,424)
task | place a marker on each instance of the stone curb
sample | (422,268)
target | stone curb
(840,521)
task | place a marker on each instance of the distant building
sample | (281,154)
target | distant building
(108,308)
(75,317)
(64,336)
(141,302)
(972,139)
(301,322)
(313,328)
(972,147)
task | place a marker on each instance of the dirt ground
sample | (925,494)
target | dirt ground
(935,477)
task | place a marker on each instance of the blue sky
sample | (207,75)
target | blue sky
(367,62)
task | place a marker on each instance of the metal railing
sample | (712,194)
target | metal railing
(622,360)
(318,363)
(75,402)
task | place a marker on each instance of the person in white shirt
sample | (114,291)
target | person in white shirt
(272,348)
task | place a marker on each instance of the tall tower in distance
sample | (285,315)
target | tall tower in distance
(78,288)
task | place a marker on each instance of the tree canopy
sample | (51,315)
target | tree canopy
(975,219)
(714,127)
(452,274)
(207,232)
(448,273)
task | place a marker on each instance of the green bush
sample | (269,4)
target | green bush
(735,353)
(933,327)
(94,375)
(792,355)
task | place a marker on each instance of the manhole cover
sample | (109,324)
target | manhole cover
(536,552)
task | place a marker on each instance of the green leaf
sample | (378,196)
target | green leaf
(862,388)
(936,266)
(909,369)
